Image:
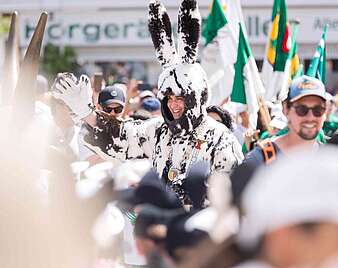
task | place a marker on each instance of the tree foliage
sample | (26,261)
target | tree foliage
(56,59)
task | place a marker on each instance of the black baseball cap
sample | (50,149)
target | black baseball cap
(113,94)
(150,190)
(179,236)
(149,216)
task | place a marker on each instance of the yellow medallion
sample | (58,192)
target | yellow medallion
(172,174)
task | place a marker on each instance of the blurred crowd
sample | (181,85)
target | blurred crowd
(122,173)
(284,215)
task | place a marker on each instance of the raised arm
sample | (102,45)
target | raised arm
(107,136)
(77,95)
(123,140)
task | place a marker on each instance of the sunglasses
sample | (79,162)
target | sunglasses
(117,110)
(302,110)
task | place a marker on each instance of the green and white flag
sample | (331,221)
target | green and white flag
(220,33)
(275,72)
(247,81)
(317,67)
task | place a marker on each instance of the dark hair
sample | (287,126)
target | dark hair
(334,139)
(223,114)
(287,101)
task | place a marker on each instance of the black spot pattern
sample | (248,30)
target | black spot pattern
(117,148)
(172,142)
(190,100)
(219,150)
(102,135)
(178,84)
(142,140)
(159,26)
(204,96)
(189,31)
(123,136)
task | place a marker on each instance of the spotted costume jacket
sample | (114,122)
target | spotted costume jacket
(173,144)
(135,139)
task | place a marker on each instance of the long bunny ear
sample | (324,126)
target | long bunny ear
(12,60)
(160,29)
(24,96)
(189,28)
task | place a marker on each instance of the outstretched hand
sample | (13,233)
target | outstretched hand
(75,93)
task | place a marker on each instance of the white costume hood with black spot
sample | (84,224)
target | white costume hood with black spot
(182,75)
(173,145)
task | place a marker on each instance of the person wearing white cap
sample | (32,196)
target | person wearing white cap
(291,213)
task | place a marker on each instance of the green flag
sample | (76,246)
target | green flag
(219,52)
(243,54)
(317,66)
(215,21)
(246,81)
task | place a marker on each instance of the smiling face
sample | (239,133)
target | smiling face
(176,106)
(308,126)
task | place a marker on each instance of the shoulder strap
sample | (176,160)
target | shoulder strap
(268,150)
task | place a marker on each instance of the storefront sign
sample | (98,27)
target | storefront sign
(129,27)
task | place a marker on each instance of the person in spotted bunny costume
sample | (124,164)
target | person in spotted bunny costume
(185,134)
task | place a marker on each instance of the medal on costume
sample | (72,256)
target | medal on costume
(199,144)
(172,174)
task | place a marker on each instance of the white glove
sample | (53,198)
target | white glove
(76,94)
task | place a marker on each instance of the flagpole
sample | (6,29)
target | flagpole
(264,113)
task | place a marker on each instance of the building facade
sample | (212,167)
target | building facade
(103,31)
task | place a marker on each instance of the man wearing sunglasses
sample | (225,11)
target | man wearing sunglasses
(304,109)
(112,99)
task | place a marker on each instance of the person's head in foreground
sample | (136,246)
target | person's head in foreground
(291,212)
